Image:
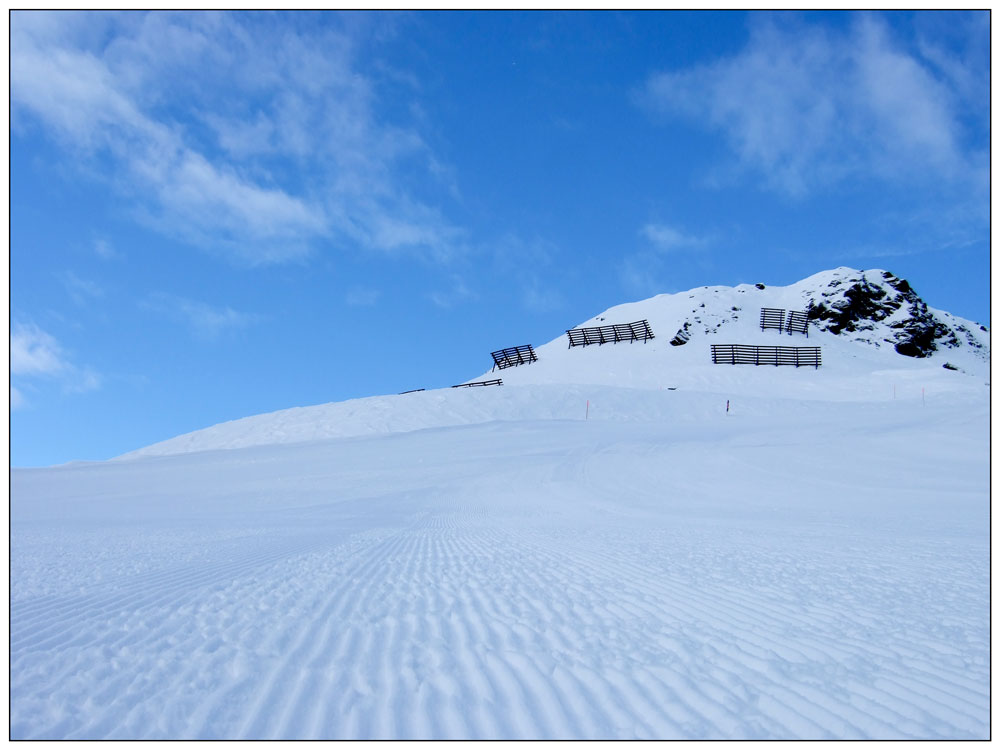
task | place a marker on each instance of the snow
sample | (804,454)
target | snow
(498,563)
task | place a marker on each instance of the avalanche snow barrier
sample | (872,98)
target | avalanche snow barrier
(742,354)
(796,322)
(637,331)
(498,381)
(514,356)
(771,317)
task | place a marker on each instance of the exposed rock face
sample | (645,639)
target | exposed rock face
(857,303)
(682,336)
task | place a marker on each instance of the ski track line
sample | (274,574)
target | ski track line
(275,690)
(453,627)
(944,678)
(756,604)
(272,652)
(562,720)
(174,635)
(133,635)
(607,624)
(179,599)
(128,596)
(503,605)
(505,612)
(723,615)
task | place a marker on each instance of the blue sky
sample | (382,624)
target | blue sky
(219,215)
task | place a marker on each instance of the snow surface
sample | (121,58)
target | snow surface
(502,563)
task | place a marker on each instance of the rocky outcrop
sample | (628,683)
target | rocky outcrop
(857,304)
(682,336)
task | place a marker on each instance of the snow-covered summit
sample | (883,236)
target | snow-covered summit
(877,337)
(874,308)
(878,308)
(865,322)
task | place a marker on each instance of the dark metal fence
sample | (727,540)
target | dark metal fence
(610,334)
(743,354)
(513,356)
(498,381)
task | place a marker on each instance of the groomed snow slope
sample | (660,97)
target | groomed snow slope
(812,564)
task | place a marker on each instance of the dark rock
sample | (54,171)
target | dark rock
(682,336)
(861,302)
(916,332)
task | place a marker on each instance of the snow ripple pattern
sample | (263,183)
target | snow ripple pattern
(526,580)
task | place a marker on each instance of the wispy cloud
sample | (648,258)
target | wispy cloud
(642,271)
(81,291)
(105,250)
(669,239)
(807,107)
(207,322)
(527,263)
(458,293)
(35,356)
(361,296)
(255,140)
(34,352)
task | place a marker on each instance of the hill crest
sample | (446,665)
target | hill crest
(878,338)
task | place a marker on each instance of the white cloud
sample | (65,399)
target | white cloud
(528,263)
(640,274)
(362,297)
(104,250)
(807,107)
(36,354)
(81,291)
(668,239)
(256,138)
(537,298)
(206,321)
(457,294)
